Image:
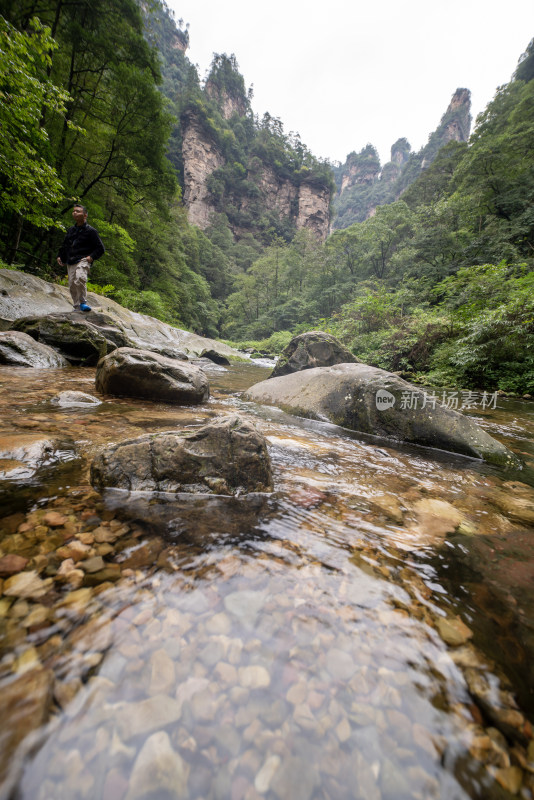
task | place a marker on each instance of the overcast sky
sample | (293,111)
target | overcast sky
(346,72)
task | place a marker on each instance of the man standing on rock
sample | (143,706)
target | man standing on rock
(82,245)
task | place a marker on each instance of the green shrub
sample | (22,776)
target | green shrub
(274,344)
(146,302)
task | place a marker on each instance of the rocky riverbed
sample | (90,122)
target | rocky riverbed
(364,631)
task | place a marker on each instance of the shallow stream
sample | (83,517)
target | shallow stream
(365,632)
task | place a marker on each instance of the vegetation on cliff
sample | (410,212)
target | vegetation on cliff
(363,184)
(437,284)
(95,100)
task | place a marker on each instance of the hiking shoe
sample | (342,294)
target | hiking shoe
(84,307)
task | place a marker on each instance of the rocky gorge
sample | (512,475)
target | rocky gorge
(352,621)
(303,203)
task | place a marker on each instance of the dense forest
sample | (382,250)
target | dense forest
(437,284)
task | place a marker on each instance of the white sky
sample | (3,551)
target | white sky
(346,72)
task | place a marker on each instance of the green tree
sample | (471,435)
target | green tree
(29,185)
(497,175)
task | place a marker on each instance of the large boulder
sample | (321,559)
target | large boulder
(140,373)
(374,401)
(310,350)
(227,456)
(21,350)
(107,326)
(80,342)
(24,295)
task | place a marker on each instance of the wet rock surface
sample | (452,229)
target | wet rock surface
(75,338)
(139,373)
(27,459)
(21,350)
(350,395)
(227,456)
(309,350)
(70,399)
(24,295)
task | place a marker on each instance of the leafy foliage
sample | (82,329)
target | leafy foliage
(29,184)
(438,283)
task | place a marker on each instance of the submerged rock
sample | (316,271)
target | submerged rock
(517,502)
(71,399)
(79,341)
(309,350)
(21,455)
(227,456)
(19,349)
(26,700)
(159,771)
(28,459)
(199,519)
(373,401)
(140,373)
(26,585)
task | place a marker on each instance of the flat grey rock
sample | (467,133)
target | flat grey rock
(373,401)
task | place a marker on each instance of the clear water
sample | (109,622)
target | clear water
(279,647)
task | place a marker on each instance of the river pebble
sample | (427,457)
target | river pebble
(282,667)
(26,584)
(453,631)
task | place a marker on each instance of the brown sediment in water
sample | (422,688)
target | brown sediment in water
(302,647)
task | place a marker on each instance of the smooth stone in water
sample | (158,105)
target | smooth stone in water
(340,664)
(27,585)
(227,456)
(453,631)
(219,623)
(162,673)
(71,399)
(21,350)
(245,604)
(295,778)
(254,677)
(262,781)
(519,507)
(128,372)
(135,719)
(12,563)
(159,771)
(371,400)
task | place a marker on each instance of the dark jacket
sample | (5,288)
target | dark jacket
(80,241)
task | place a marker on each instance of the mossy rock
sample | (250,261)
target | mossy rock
(77,340)
(310,350)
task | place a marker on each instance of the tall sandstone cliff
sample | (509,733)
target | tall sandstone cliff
(363,183)
(201,158)
(235,169)
(303,203)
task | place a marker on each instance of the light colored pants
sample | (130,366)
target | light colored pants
(78,281)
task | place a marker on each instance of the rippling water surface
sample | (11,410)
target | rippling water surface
(364,632)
